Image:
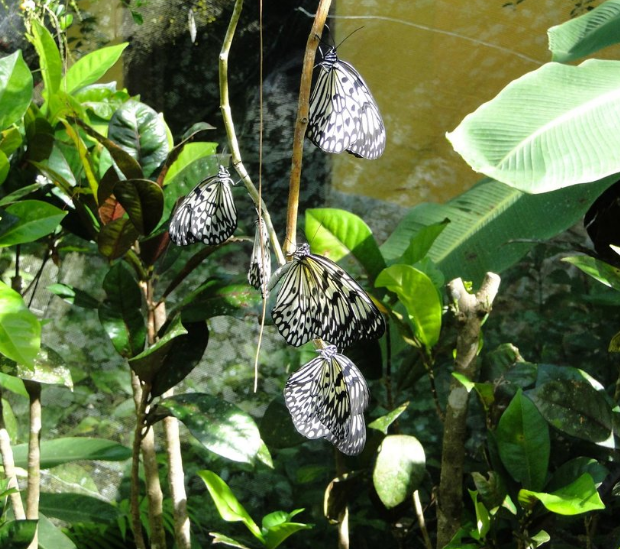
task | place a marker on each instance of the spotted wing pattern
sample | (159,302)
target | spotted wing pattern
(319,300)
(344,115)
(207,214)
(260,262)
(326,398)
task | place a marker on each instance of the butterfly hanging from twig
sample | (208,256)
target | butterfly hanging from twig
(319,300)
(207,214)
(326,398)
(260,261)
(344,115)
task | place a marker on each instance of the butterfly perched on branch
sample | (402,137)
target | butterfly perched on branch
(260,261)
(326,398)
(343,113)
(207,214)
(319,300)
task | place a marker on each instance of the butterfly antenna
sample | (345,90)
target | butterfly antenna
(347,37)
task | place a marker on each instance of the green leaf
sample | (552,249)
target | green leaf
(102,99)
(568,401)
(17,534)
(91,67)
(48,368)
(51,536)
(571,470)
(483,521)
(20,330)
(552,128)
(419,296)
(227,504)
(587,34)
(225,540)
(121,313)
(73,508)
(492,226)
(383,423)
(116,238)
(276,427)
(49,58)
(190,153)
(218,425)
(4,167)
(13,384)
(578,497)
(523,442)
(337,233)
(143,201)
(278,533)
(74,296)
(140,131)
(421,242)
(11,140)
(36,220)
(65,450)
(399,469)
(599,270)
(15,89)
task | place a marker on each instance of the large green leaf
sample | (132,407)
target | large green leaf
(578,497)
(36,220)
(121,313)
(220,426)
(552,128)
(190,153)
(523,442)
(399,469)
(65,450)
(587,34)
(20,330)
(417,293)
(48,368)
(116,238)
(337,233)
(74,296)
(74,508)
(492,226)
(567,399)
(102,99)
(15,89)
(139,130)
(51,536)
(91,67)
(17,534)
(277,527)
(143,201)
(49,58)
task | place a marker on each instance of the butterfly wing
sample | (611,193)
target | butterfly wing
(260,261)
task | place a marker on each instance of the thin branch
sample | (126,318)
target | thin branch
(303,110)
(34,455)
(134,499)
(230,130)
(6,452)
(417,504)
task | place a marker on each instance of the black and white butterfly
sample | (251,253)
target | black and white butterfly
(343,113)
(260,262)
(207,214)
(319,300)
(326,398)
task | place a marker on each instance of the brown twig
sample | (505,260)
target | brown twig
(34,455)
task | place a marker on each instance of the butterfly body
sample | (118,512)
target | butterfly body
(260,261)
(207,214)
(319,300)
(344,115)
(326,399)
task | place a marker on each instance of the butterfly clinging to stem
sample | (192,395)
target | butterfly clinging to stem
(319,300)
(207,214)
(326,398)
(260,261)
(344,115)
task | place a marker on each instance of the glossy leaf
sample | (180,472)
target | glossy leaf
(102,99)
(15,89)
(277,527)
(220,426)
(336,233)
(383,423)
(587,34)
(578,497)
(36,220)
(74,296)
(567,399)
(4,167)
(276,427)
(116,238)
(523,442)
(399,469)
(66,450)
(570,471)
(226,540)
(10,140)
(49,58)
(421,242)
(73,508)
(190,153)
(48,368)
(492,226)
(599,270)
(551,128)
(138,129)
(419,296)
(227,504)
(17,534)
(20,329)
(91,67)
(51,536)
(143,201)
(121,313)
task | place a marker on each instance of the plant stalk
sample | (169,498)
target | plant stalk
(34,456)
(6,452)
(136,523)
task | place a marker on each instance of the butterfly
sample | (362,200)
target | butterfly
(326,398)
(343,113)
(207,214)
(260,262)
(319,300)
